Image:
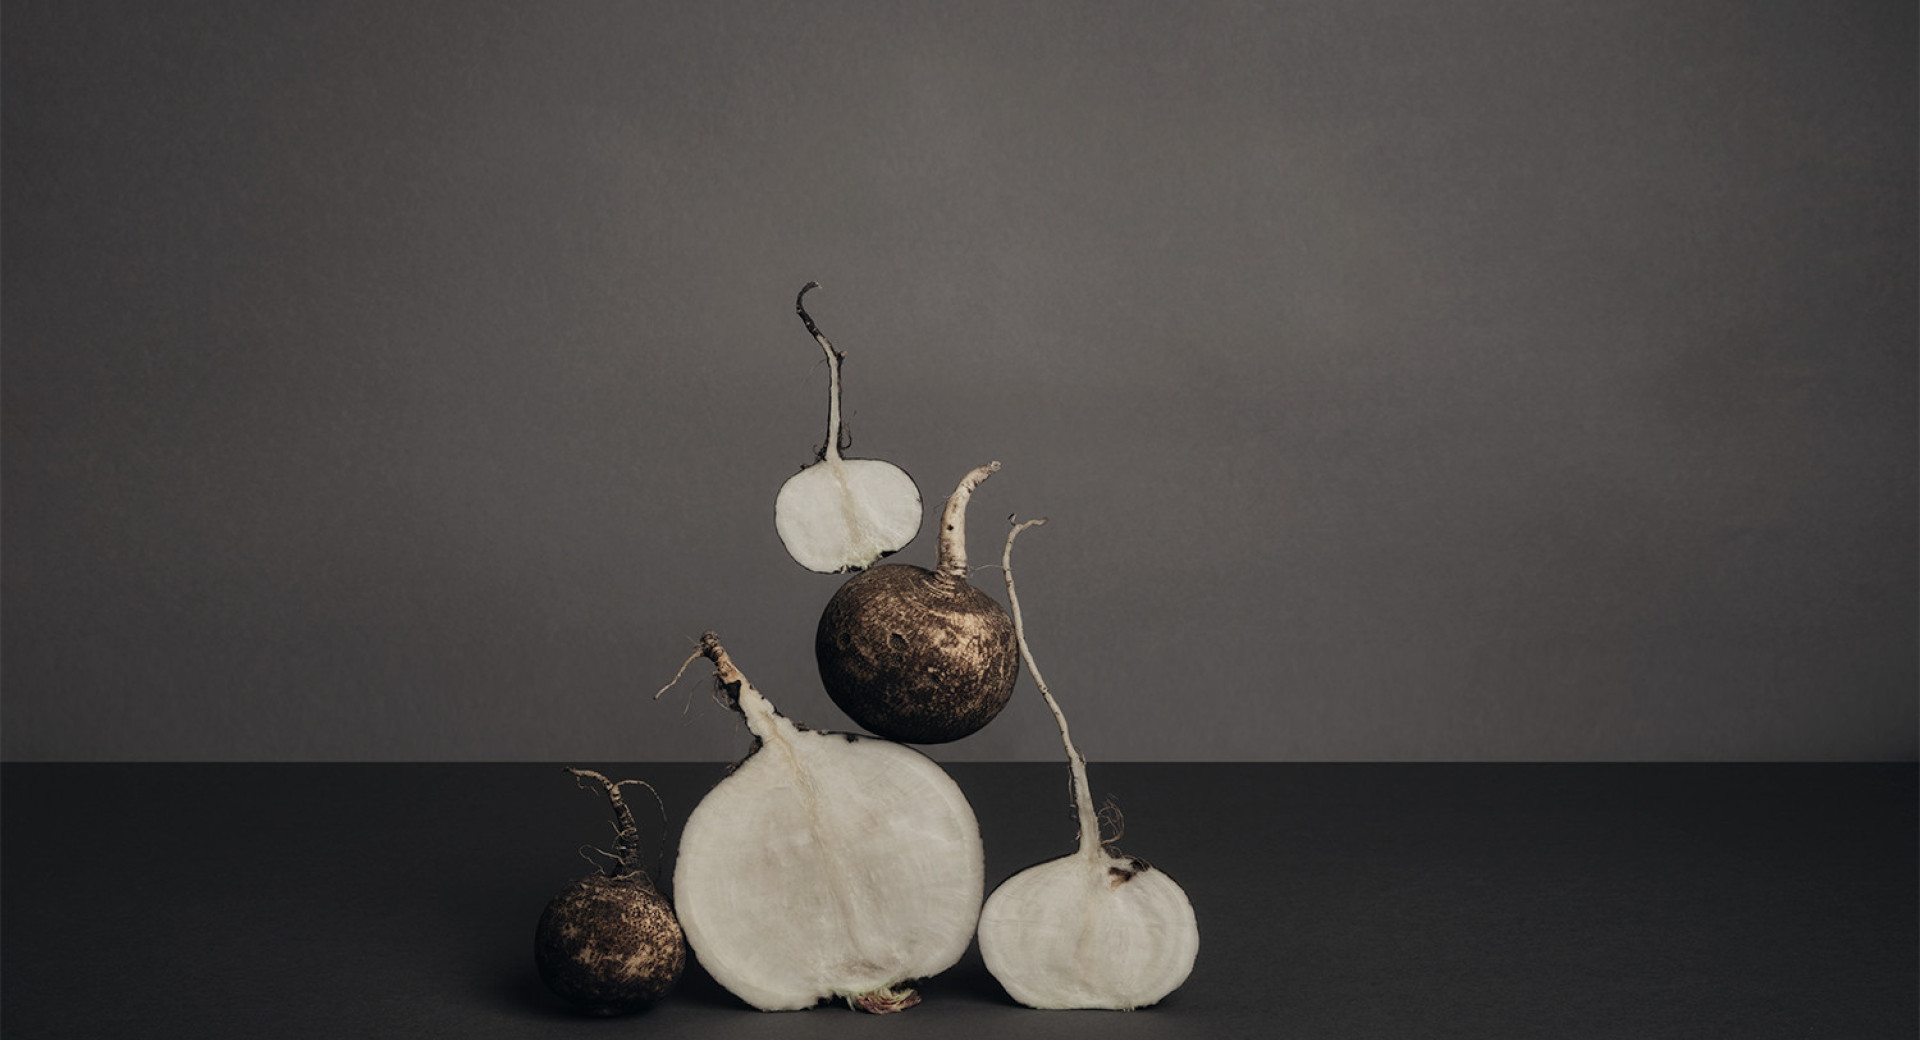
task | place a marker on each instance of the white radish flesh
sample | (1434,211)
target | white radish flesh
(1095,929)
(826,865)
(842,514)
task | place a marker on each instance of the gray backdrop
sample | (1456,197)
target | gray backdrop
(1404,380)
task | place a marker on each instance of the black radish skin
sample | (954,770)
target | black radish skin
(609,943)
(919,656)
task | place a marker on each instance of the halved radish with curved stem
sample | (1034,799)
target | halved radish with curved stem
(1095,929)
(826,865)
(840,514)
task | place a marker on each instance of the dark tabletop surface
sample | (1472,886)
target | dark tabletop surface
(1334,900)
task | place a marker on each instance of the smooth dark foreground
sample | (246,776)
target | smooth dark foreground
(1739,901)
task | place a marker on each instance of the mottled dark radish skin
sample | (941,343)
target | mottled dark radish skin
(915,656)
(609,943)
(919,656)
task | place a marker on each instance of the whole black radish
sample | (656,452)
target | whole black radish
(920,656)
(609,942)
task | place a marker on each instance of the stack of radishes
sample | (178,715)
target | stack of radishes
(837,865)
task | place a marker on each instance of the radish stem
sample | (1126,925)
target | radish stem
(1082,799)
(626,842)
(834,358)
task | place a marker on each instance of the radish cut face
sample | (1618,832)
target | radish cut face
(1095,929)
(845,514)
(827,865)
(1104,931)
(842,514)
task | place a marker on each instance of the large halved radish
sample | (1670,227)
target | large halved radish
(826,865)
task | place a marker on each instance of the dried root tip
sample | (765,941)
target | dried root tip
(800,305)
(723,666)
(627,833)
(675,681)
(728,676)
(837,439)
(1113,825)
(724,671)
(884,1001)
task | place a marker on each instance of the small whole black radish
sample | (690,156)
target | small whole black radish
(609,943)
(919,656)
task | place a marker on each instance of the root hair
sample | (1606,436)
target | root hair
(1111,820)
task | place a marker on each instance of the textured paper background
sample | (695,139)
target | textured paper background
(1403,380)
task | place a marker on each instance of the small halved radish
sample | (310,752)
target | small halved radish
(840,514)
(1095,929)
